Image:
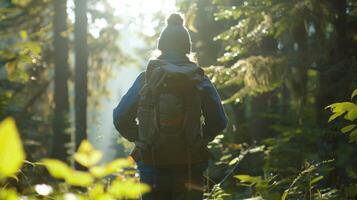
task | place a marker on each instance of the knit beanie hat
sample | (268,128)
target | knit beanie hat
(175,37)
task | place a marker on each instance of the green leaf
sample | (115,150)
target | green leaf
(353,136)
(99,171)
(87,155)
(57,168)
(319,195)
(285,194)
(127,189)
(334,116)
(120,163)
(315,180)
(253,180)
(110,168)
(8,194)
(12,154)
(341,108)
(354,93)
(351,113)
(61,170)
(23,34)
(249,179)
(33,47)
(96,191)
(348,128)
(234,161)
(79,178)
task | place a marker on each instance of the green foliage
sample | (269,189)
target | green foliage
(354,93)
(127,189)
(308,173)
(57,168)
(253,75)
(89,157)
(218,193)
(347,110)
(8,194)
(12,154)
(12,157)
(280,63)
(304,185)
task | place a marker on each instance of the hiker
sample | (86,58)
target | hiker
(171,112)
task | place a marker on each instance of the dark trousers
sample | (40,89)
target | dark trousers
(173,182)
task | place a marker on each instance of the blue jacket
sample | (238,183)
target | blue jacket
(124,114)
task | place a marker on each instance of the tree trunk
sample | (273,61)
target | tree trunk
(340,26)
(301,38)
(334,79)
(60,120)
(81,62)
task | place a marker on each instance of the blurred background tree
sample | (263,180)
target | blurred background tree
(61,99)
(37,69)
(81,71)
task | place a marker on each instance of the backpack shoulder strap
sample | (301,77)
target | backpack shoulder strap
(192,119)
(154,76)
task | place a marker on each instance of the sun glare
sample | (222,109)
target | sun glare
(141,14)
(134,8)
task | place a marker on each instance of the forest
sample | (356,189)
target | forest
(286,71)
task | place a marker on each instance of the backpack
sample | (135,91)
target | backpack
(169,114)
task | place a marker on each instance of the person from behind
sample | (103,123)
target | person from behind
(171,112)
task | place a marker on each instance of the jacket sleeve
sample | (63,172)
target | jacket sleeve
(214,115)
(124,114)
